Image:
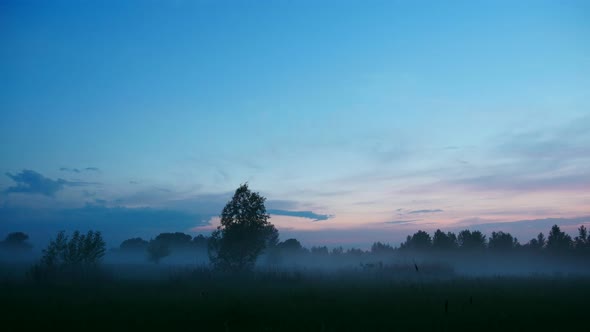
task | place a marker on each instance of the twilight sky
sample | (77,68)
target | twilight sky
(360,121)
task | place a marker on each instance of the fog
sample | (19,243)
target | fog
(408,265)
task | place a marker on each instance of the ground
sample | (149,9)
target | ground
(295,302)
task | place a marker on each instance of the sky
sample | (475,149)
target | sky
(359,121)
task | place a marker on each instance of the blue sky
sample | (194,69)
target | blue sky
(347,115)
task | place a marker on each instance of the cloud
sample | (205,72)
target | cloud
(77,170)
(513,183)
(474,221)
(208,204)
(31,182)
(542,223)
(565,142)
(116,223)
(425,211)
(401,222)
(279,204)
(301,214)
(548,159)
(66,169)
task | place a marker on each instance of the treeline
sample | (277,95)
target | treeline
(164,244)
(466,241)
(557,241)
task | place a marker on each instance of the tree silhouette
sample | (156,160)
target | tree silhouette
(381,248)
(501,241)
(176,240)
(16,241)
(135,244)
(290,246)
(157,249)
(80,249)
(471,240)
(354,252)
(320,251)
(337,251)
(419,241)
(558,241)
(200,242)
(537,243)
(442,241)
(582,241)
(72,254)
(244,232)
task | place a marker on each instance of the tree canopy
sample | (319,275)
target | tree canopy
(134,244)
(157,249)
(502,241)
(244,232)
(557,240)
(475,240)
(419,241)
(444,241)
(73,255)
(16,241)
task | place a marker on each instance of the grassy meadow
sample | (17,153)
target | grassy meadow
(294,301)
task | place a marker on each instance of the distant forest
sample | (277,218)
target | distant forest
(556,242)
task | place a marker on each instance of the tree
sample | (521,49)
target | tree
(582,241)
(157,249)
(471,240)
(419,241)
(354,252)
(290,246)
(176,240)
(200,242)
(501,241)
(558,241)
(442,241)
(136,244)
(379,248)
(244,232)
(80,253)
(79,250)
(320,251)
(537,243)
(338,251)
(16,241)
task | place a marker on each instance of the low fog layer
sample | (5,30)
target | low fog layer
(442,255)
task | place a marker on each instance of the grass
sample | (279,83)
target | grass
(295,302)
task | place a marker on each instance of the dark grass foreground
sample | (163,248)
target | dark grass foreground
(293,302)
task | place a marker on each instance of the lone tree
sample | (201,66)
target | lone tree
(244,232)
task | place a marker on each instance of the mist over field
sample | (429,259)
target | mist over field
(420,256)
(523,287)
(309,165)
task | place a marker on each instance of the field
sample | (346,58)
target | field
(293,301)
